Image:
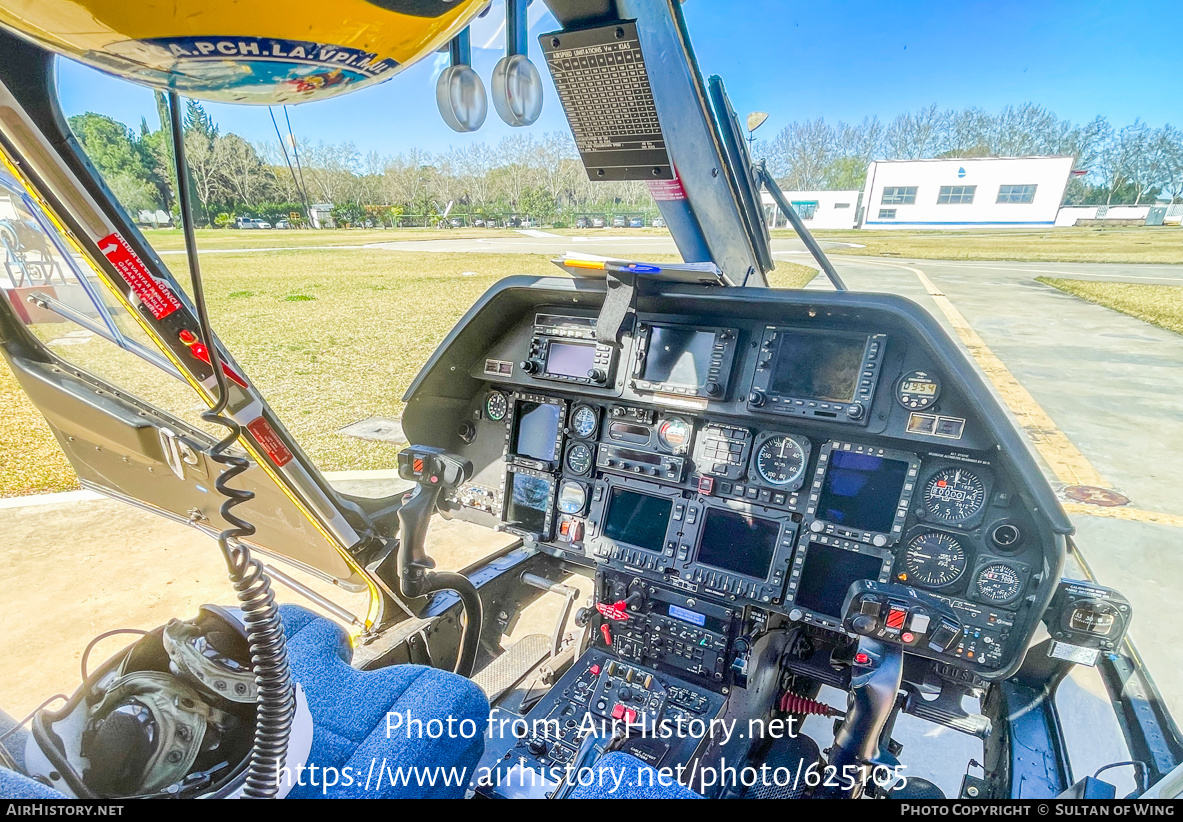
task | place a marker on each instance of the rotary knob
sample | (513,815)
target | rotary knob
(757,398)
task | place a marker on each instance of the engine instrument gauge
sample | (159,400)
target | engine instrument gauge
(954,495)
(674,434)
(917,390)
(998,583)
(579,458)
(496,406)
(933,559)
(781,460)
(584,421)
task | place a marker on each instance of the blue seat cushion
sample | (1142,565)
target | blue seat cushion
(397,757)
(623,776)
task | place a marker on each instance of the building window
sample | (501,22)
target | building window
(1016,194)
(899,195)
(887,214)
(805,208)
(956,195)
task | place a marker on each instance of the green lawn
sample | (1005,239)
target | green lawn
(171,239)
(1160,305)
(329,336)
(1070,245)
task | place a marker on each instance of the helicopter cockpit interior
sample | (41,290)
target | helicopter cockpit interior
(772,494)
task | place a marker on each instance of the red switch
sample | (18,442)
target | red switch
(607,632)
(630,716)
(896,617)
(595,670)
(862,659)
(618,711)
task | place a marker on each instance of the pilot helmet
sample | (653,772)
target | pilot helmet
(264,52)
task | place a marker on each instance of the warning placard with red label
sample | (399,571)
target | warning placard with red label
(265,435)
(159,301)
(666,190)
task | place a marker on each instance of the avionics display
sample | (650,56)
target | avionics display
(713,624)
(738,543)
(537,430)
(570,359)
(679,356)
(828,574)
(817,367)
(637,519)
(527,502)
(861,491)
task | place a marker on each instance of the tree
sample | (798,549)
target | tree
(125,162)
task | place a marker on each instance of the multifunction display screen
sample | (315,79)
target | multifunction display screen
(538,430)
(570,360)
(528,500)
(817,366)
(738,543)
(637,519)
(679,356)
(862,491)
(828,574)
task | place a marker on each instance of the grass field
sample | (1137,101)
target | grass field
(1070,245)
(1160,305)
(171,239)
(329,336)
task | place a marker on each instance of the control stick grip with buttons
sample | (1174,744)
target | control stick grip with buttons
(434,470)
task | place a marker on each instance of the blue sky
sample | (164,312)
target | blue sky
(841,61)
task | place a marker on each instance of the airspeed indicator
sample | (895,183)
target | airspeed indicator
(781,460)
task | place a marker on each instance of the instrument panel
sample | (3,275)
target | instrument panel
(757,463)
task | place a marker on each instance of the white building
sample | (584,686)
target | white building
(817,209)
(980,192)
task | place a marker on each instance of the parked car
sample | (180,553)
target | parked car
(478,223)
(619,222)
(658,222)
(583,222)
(597,222)
(283,224)
(457,222)
(251,222)
(636,222)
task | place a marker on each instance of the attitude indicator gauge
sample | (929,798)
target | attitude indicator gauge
(496,406)
(584,421)
(780,461)
(954,495)
(934,560)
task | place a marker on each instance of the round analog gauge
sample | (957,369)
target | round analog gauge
(496,406)
(674,434)
(584,421)
(998,583)
(934,560)
(954,495)
(781,460)
(917,390)
(579,458)
(572,498)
